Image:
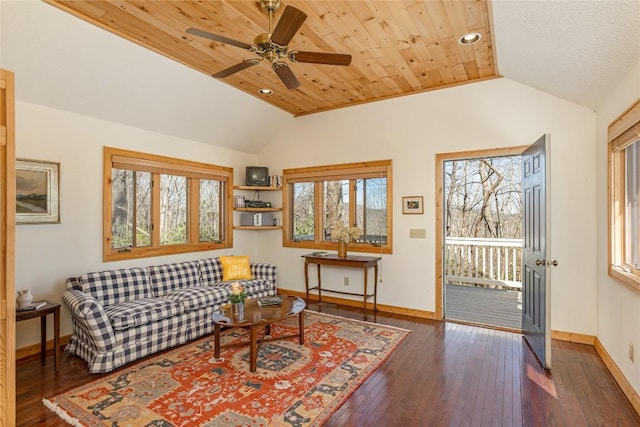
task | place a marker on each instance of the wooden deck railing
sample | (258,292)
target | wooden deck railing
(484,262)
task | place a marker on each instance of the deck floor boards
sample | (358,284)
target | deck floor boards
(494,307)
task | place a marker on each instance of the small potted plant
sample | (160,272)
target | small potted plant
(237,297)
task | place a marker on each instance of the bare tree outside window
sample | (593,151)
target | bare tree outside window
(210,210)
(303,211)
(483,198)
(173,209)
(336,208)
(371,194)
(131,209)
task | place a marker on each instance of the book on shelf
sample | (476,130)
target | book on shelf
(33,306)
(269,301)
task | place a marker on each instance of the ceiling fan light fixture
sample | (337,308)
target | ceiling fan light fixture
(273,46)
(469,38)
(265,91)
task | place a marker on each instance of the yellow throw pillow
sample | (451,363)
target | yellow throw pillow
(235,268)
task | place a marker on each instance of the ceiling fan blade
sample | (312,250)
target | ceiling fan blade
(235,68)
(321,58)
(218,38)
(288,25)
(286,75)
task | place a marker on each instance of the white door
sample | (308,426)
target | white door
(536,310)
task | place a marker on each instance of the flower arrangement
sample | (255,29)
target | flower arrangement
(238,294)
(342,233)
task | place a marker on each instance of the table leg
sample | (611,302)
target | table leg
(56,338)
(301,326)
(366,276)
(319,285)
(216,341)
(253,349)
(43,339)
(375,288)
(306,277)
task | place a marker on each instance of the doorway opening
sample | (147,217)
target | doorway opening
(482,216)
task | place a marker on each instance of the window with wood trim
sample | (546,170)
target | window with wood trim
(356,194)
(156,205)
(624,198)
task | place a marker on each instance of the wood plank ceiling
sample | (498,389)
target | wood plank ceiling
(398,47)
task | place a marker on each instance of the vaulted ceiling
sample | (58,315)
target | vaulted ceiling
(576,50)
(397,47)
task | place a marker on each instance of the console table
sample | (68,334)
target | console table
(353,261)
(42,312)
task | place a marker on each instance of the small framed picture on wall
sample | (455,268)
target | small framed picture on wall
(37,197)
(412,205)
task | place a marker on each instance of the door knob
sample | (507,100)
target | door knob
(540,262)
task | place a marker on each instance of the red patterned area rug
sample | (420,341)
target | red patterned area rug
(294,385)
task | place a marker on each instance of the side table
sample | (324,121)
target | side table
(50,308)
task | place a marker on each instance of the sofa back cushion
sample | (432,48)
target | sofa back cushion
(210,271)
(168,277)
(116,286)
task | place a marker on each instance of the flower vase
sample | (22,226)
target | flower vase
(237,309)
(342,249)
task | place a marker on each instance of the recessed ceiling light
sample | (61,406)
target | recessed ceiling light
(469,38)
(265,91)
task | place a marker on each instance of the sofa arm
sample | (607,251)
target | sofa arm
(88,314)
(266,272)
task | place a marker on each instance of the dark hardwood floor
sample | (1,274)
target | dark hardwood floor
(443,374)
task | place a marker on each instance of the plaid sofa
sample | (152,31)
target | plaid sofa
(122,315)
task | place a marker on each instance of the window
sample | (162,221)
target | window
(159,205)
(357,194)
(624,198)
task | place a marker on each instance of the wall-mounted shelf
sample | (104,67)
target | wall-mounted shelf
(244,188)
(256,188)
(257,227)
(257,209)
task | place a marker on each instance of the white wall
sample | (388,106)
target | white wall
(411,131)
(47,254)
(618,306)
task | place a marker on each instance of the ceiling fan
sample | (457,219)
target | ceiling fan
(273,46)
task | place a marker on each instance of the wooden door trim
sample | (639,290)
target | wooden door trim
(439,241)
(7,250)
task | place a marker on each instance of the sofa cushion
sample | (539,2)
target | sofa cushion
(146,310)
(235,268)
(168,277)
(116,286)
(196,297)
(210,271)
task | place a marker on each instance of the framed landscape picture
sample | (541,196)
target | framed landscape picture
(412,205)
(37,196)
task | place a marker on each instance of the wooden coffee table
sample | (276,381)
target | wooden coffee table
(256,317)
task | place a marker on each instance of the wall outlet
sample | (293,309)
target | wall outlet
(417,233)
(346,280)
(632,355)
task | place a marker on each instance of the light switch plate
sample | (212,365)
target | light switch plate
(417,233)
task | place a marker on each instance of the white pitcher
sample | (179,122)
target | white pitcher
(24,298)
